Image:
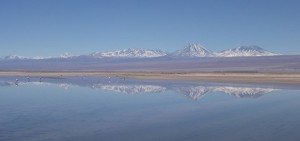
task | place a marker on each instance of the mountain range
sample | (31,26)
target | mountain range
(191,58)
(189,51)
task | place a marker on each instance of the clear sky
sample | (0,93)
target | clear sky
(52,27)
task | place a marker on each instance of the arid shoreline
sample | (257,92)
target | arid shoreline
(245,77)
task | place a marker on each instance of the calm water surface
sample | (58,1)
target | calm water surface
(116,109)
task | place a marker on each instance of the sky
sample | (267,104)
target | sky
(53,27)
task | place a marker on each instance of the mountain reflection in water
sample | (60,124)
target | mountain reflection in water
(191,90)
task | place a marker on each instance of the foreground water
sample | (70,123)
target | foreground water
(112,109)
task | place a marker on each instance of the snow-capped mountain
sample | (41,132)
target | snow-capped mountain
(66,55)
(16,57)
(130,53)
(245,51)
(189,51)
(193,50)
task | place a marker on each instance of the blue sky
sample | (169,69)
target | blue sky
(52,27)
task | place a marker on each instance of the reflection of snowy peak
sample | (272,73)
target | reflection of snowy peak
(65,86)
(193,50)
(6,83)
(190,90)
(194,92)
(131,53)
(131,89)
(244,92)
(245,51)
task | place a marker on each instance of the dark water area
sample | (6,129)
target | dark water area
(93,108)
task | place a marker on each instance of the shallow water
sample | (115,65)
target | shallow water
(110,109)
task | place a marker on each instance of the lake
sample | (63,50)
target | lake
(76,108)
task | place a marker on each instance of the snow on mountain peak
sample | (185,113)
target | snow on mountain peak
(16,57)
(249,48)
(193,50)
(130,53)
(13,57)
(66,55)
(245,51)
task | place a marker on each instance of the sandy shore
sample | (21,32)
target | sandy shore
(276,78)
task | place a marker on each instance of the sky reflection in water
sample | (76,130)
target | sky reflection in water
(111,108)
